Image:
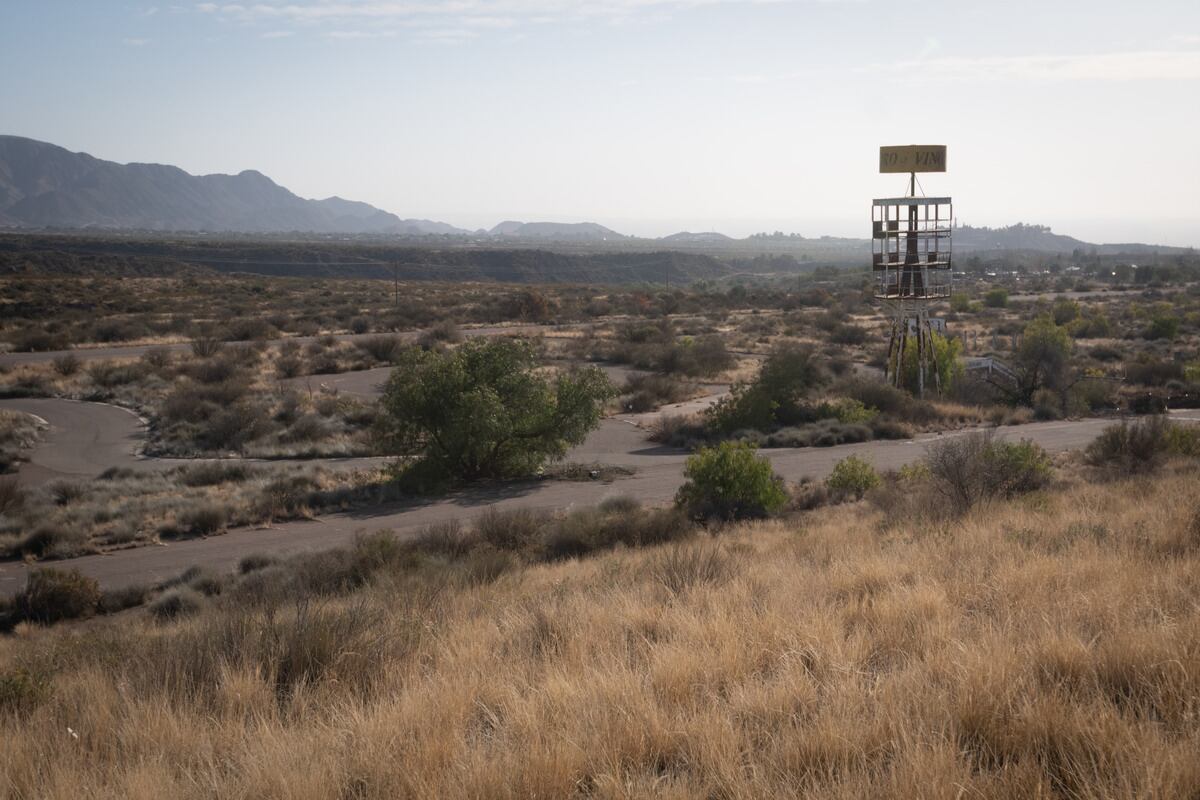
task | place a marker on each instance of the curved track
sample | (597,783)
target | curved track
(86,438)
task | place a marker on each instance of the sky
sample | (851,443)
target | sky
(649,116)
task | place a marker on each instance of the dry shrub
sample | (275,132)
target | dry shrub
(176,603)
(515,529)
(970,468)
(449,539)
(67,364)
(12,496)
(51,595)
(682,567)
(205,519)
(381,348)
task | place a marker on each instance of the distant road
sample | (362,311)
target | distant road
(659,474)
(1082,295)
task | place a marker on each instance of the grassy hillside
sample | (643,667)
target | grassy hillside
(1046,647)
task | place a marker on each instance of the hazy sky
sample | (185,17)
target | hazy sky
(649,116)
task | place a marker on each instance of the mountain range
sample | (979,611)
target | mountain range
(43,185)
(46,186)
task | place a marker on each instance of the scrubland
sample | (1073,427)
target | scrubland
(1043,646)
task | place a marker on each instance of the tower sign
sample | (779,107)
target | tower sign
(910,239)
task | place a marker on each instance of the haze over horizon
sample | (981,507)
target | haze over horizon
(647,116)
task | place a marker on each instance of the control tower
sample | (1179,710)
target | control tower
(911,259)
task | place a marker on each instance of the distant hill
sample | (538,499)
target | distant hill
(45,186)
(707,237)
(1015,237)
(559,231)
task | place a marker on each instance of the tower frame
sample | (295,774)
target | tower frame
(911,262)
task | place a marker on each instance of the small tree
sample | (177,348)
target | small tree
(996,298)
(1041,361)
(852,476)
(775,396)
(484,411)
(947,363)
(730,482)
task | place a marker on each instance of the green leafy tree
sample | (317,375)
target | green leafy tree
(996,298)
(1042,360)
(730,482)
(1162,326)
(947,363)
(1065,311)
(483,410)
(775,397)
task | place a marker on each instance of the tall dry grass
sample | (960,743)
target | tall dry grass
(1044,647)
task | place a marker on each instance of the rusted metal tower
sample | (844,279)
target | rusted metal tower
(911,259)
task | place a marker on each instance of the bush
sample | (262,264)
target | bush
(447,539)
(996,298)
(213,473)
(509,530)
(775,396)
(114,600)
(687,566)
(207,346)
(255,562)
(444,332)
(974,467)
(1132,447)
(852,476)
(12,496)
(485,410)
(67,364)
(381,348)
(51,595)
(203,520)
(648,392)
(53,540)
(107,375)
(730,482)
(176,603)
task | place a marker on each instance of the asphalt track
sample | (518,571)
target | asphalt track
(86,438)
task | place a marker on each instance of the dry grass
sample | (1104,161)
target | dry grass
(1048,647)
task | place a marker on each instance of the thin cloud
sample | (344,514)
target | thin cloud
(360,34)
(277,34)
(451,15)
(135,42)
(1127,66)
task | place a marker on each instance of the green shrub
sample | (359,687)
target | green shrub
(486,410)
(51,595)
(996,298)
(730,482)
(852,476)
(775,397)
(1162,326)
